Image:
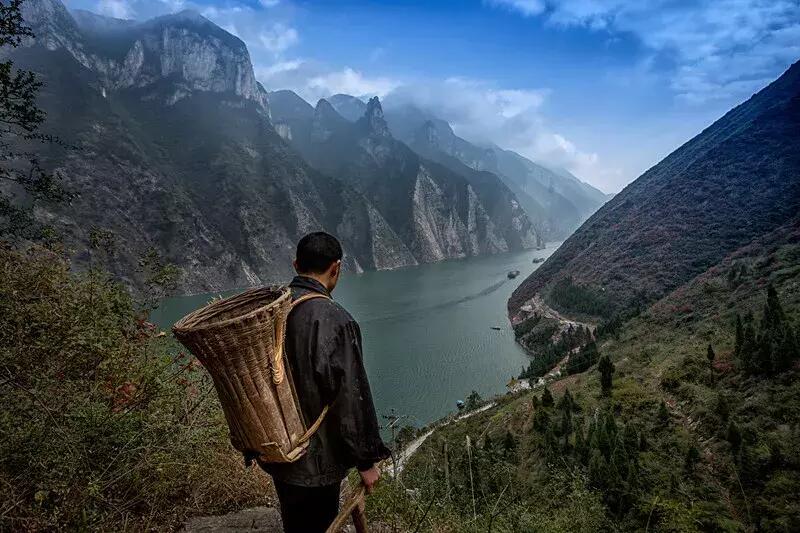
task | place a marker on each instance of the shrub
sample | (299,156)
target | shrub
(103,424)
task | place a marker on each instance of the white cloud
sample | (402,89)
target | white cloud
(278,38)
(718,50)
(279,68)
(528,8)
(350,81)
(511,118)
(115,8)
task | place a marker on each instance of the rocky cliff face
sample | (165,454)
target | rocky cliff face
(436,212)
(555,201)
(185,49)
(177,151)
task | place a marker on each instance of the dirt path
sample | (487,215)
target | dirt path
(414,445)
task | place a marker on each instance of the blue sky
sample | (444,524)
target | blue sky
(605,88)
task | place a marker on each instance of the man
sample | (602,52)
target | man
(323,346)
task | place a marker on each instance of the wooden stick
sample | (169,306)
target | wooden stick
(354,507)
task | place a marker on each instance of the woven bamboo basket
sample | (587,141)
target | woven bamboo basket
(239,340)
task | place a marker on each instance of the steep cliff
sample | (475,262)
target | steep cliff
(175,151)
(555,201)
(437,212)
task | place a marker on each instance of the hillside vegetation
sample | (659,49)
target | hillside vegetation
(111,428)
(675,442)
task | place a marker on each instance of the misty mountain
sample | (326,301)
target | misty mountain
(176,151)
(555,200)
(736,181)
(437,213)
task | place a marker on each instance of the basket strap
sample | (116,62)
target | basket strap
(315,426)
(280,336)
(300,448)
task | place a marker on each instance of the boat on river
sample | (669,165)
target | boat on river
(513,274)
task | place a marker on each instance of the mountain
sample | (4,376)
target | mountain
(175,152)
(668,397)
(349,107)
(434,212)
(555,200)
(736,181)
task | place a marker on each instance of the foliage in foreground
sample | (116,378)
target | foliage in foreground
(102,426)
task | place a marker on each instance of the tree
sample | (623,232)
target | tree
(606,368)
(547,398)
(566,424)
(566,403)
(20,119)
(692,456)
(773,346)
(710,355)
(509,444)
(474,401)
(663,413)
(734,436)
(737,346)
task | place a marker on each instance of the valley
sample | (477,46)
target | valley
(542,356)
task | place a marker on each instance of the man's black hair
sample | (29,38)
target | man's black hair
(317,251)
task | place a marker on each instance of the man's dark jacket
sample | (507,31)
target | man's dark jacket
(323,346)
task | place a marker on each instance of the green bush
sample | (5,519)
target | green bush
(104,424)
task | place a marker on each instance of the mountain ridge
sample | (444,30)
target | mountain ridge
(734,181)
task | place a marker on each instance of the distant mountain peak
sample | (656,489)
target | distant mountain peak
(374,120)
(184,49)
(327,121)
(429,134)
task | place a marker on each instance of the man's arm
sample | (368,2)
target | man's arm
(353,406)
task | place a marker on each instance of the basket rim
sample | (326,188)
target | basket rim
(180,327)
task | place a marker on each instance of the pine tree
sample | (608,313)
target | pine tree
(734,436)
(692,456)
(581,448)
(737,346)
(606,368)
(547,398)
(710,355)
(566,403)
(663,413)
(509,444)
(597,470)
(566,423)
(541,420)
(747,354)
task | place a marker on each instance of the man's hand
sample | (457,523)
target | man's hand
(370,477)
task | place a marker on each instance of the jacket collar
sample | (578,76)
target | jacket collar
(309,284)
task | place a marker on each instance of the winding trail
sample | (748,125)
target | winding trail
(413,446)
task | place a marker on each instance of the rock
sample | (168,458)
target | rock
(255,520)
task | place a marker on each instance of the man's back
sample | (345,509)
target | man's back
(323,347)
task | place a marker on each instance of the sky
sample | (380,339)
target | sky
(604,88)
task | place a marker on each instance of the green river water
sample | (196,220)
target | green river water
(428,337)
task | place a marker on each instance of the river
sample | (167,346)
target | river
(428,337)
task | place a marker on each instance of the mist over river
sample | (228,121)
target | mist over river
(427,330)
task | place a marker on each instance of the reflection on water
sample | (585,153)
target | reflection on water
(427,330)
